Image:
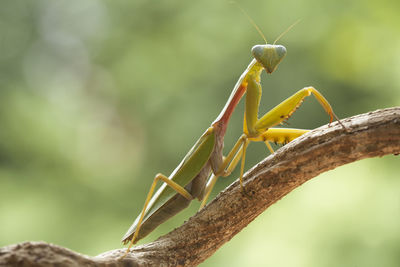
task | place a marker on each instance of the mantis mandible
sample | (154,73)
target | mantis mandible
(189,179)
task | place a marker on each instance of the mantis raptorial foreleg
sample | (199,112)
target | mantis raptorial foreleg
(259,129)
(284,110)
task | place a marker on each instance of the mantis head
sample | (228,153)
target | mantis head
(269,55)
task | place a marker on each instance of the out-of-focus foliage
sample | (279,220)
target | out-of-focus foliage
(96,97)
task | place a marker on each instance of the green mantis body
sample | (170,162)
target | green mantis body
(189,180)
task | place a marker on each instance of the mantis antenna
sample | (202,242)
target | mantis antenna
(250,20)
(258,28)
(288,29)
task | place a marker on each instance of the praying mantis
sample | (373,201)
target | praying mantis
(205,160)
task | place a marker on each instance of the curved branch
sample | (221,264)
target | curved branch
(368,135)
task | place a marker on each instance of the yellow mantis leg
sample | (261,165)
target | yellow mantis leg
(284,110)
(209,187)
(271,150)
(232,159)
(277,135)
(179,189)
(257,129)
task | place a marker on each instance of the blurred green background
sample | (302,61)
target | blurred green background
(96,97)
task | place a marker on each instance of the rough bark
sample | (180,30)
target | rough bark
(373,134)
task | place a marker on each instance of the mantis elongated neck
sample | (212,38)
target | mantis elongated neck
(237,93)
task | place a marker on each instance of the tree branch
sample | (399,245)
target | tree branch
(368,135)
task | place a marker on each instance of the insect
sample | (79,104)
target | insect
(205,159)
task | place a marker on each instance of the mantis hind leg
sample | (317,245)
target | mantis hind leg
(228,165)
(179,189)
(209,187)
